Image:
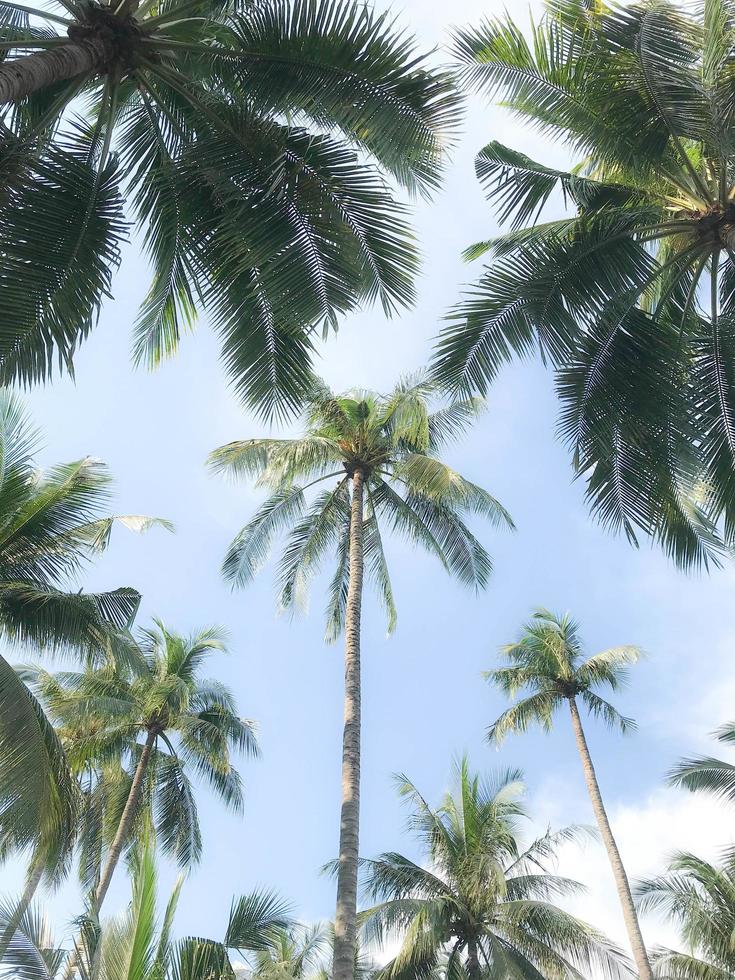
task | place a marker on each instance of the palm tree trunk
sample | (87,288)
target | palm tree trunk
(32,882)
(622,884)
(126,820)
(20,77)
(345,921)
(473,961)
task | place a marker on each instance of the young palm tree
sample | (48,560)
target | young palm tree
(630,294)
(547,663)
(707,774)
(700,898)
(481,897)
(52,524)
(139,945)
(252,141)
(379,457)
(134,944)
(167,719)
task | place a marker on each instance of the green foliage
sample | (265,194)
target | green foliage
(481,892)
(629,295)
(547,663)
(104,713)
(706,774)
(253,146)
(394,441)
(51,525)
(699,898)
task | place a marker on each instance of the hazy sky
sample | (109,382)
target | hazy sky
(424,698)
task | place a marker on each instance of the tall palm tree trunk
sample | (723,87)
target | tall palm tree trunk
(32,882)
(345,921)
(630,916)
(126,820)
(20,77)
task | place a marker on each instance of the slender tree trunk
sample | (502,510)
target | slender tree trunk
(33,880)
(345,921)
(473,961)
(622,884)
(20,77)
(126,820)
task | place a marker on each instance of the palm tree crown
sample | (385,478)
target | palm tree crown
(393,441)
(252,142)
(483,897)
(699,897)
(630,296)
(52,523)
(159,716)
(548,663)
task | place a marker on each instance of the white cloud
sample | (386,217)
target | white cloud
(647,835)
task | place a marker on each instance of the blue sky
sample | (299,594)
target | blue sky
(424,699)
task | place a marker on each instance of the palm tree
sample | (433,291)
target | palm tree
(159,712)
(629,295)
(707,774)
(481,897)
(52,524)
(700,898)
(547,663)
(138,944)
(255,144)
(134,944)
(295,952)
(379,455)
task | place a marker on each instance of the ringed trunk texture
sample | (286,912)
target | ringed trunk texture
(345,920)
(32,882)
(126,820)
(630,916)
(20,77)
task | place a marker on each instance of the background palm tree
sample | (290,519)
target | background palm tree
(134,944)
(481,897)
(252,142)
(548,664)
(379,453)
(167,719)
(52,523)
(707,774)
(699,897)
(630,295)
(138,944)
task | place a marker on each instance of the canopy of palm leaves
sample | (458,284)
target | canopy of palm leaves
(253,143)
(482,897)
(301,952)
(699,898)
(708,774)
(103,712)
(395,440)
(135,944)
(629,297)
(51,525)
(548,664)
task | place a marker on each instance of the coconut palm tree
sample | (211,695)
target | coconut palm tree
(547,664)
(699,898)
(159,712)
(254,145)
(480,895)
(52,523)
(707,774)
(628,293)
(139,944)
(378,456)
